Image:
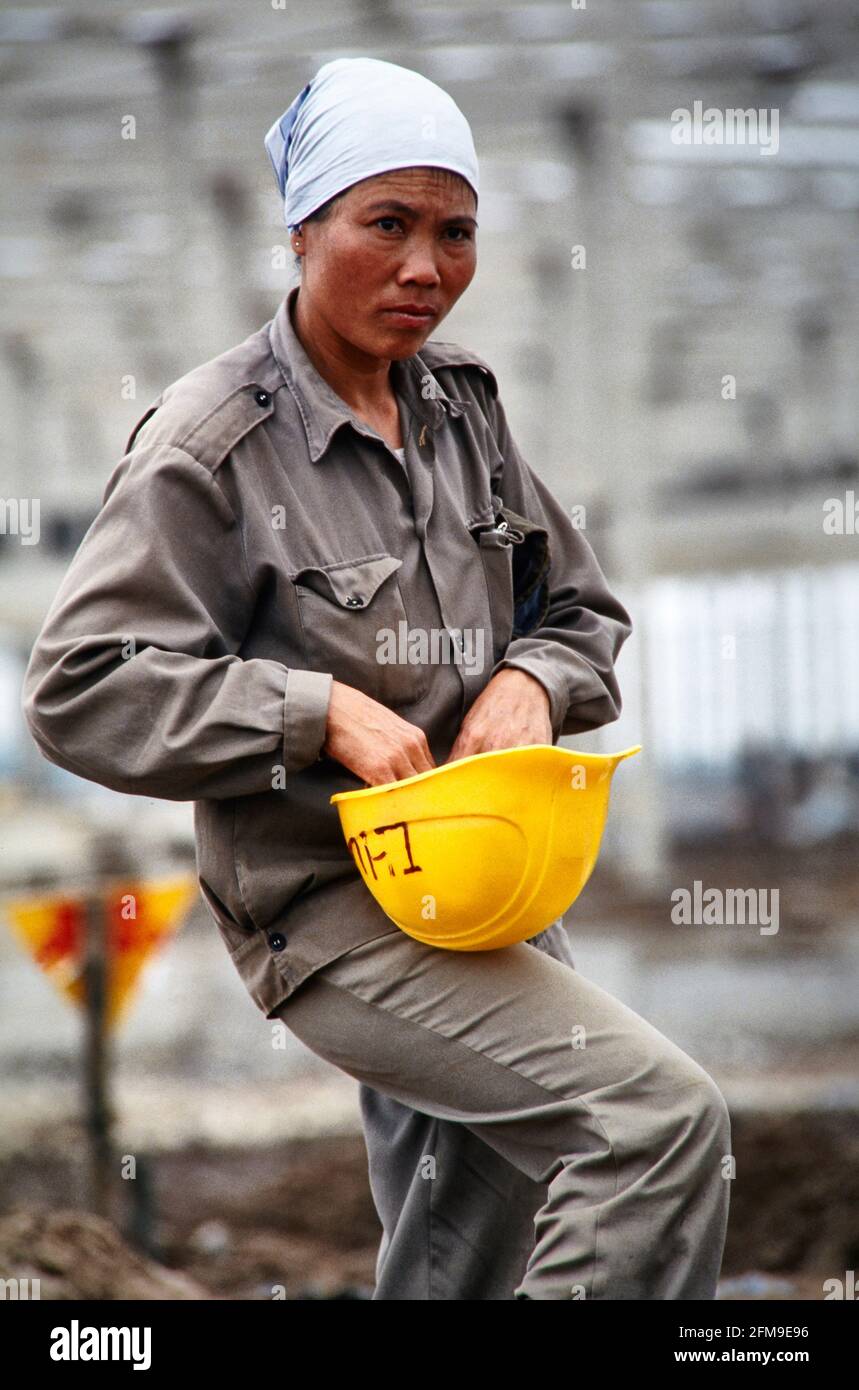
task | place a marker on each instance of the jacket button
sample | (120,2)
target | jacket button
(262,397)
(355,600)
(276,941)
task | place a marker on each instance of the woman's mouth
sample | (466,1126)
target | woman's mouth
(411,317)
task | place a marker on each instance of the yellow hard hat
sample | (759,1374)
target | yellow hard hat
(484,851)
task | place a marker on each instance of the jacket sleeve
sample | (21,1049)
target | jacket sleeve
(574,649)
(134,681)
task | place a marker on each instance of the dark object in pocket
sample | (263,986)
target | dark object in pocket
(531,563)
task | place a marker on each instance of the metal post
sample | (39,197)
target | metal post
(97,1053)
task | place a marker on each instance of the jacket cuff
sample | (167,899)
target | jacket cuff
(305,714)
(553,684)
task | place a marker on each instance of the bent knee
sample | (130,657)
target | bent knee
(702,1117)
(679,1095)
(713,1110)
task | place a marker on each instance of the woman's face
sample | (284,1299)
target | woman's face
(407,237)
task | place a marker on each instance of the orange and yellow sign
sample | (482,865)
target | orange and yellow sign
(140,917)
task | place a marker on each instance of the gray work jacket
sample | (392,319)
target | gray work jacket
(253,542)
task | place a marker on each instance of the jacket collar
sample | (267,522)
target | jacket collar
(323,411)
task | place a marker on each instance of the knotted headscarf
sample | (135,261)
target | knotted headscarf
(359,117)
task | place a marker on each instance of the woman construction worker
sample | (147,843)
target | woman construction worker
(341,475)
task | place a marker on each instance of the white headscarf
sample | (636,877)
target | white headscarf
(358,117)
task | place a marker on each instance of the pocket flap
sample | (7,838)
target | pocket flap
(350,583)
(522,526)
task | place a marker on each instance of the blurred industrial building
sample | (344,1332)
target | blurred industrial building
(674,328)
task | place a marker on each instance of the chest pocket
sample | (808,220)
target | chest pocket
(354,624)
(516,560)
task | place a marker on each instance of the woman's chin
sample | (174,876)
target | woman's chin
(402,345)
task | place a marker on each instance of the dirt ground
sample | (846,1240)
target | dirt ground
(296,1220)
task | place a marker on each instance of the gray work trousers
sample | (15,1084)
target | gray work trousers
(528,1135)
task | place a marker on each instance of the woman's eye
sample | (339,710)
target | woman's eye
(465,233)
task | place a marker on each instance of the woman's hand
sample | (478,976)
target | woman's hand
(512,710)
(373,742)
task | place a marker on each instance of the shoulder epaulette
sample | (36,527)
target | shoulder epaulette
(437,354)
